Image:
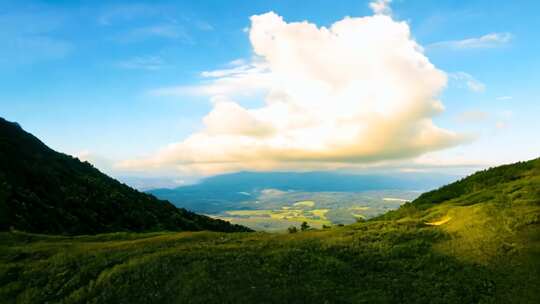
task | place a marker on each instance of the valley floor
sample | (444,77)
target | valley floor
(275,211)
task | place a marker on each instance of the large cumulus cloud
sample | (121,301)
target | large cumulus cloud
(359,91)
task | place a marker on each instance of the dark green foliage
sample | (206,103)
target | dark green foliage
(487,185)
(478,181)
(49,192)
(292,229)
(304,226)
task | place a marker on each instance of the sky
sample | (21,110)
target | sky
(185,89)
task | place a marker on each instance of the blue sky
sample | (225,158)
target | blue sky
(85,76)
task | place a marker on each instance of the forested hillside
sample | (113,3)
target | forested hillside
(44,191)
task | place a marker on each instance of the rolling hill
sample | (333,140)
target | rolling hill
(473,241)
(44,191)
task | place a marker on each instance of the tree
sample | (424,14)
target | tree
(292,229)
(360,219)
(304,226)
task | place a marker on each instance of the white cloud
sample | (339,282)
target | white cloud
(237,62)
(487,41)
(203,25)
(381,7)
(462,79)
(504,98)
(456,159)
(358,92)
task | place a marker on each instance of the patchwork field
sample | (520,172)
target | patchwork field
(275,210)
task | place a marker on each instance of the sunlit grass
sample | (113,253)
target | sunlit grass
(275,220)
(319,213)
(304,204)
(485,249)
(443,220)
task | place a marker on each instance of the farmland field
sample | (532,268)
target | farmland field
(275,210)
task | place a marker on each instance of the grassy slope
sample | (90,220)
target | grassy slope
(485,249)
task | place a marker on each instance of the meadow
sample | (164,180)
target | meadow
(482,252)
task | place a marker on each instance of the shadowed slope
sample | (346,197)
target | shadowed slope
(49,192)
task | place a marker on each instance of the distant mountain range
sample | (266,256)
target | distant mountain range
(44,191)
(221,192)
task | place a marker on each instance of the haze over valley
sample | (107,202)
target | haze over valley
(273,201)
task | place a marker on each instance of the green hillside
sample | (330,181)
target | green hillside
(44,191)
(473,241)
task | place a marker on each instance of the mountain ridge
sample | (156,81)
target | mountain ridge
(45,191)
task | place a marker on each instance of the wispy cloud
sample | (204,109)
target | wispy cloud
(31,36)
(149,63)
(241,79)
(465,80)
(203,25)
(504,98)
(491,40)
(501,125)
(504,119)
(381,7)
(143,21)
(161,31)
(473,116)
(238,62)
(127,12)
